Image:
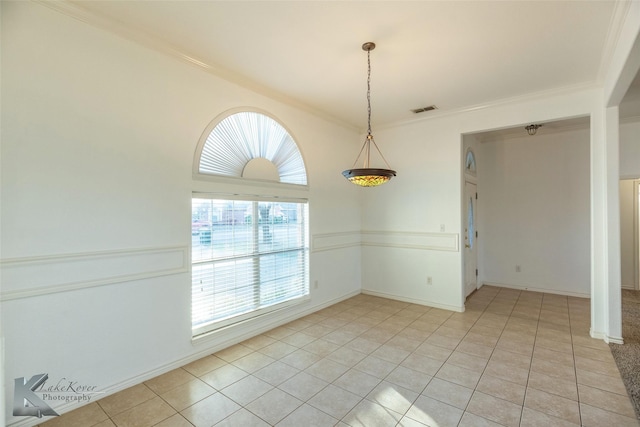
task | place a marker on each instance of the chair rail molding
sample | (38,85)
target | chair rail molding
(412,240)
(34,276)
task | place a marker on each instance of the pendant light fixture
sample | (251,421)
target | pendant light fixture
(368,176)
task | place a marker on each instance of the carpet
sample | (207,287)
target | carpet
(627,356)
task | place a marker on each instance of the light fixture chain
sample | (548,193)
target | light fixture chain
(369,92)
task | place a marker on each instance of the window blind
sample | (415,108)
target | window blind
(247,135)
(248,257)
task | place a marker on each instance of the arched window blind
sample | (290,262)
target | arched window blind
(248,135)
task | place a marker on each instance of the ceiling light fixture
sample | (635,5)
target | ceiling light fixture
(367,176)
(532,129)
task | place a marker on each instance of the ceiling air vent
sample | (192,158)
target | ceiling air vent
(423,109)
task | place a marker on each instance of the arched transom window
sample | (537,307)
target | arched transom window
(252,145)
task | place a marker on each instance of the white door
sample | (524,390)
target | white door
(470,239)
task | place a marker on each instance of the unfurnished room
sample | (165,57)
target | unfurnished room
(319,213)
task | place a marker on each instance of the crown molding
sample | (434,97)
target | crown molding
(75,10)
(503,102)
(620,12)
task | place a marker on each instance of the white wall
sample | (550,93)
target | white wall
(629,168)
(404,218)
(405,244)
(535,212)
(630,149)
(98,138)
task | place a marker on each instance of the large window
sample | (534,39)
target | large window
(248,257)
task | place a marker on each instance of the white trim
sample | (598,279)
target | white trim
(538,289)
(390,239)
(332,241)
(418,301)
(505,102)
(205,184)
(613,340)
(202,352)
(596,335)
(412,240)
(260,326)
(217,327)
(212,195)
(35,276)
(606,338)
(274,185)
(76,11)
(620,12)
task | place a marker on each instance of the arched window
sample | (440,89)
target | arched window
(249,254)
(252,145)
(470,163)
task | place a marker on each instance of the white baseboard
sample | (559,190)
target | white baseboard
(537,289)
(213,347)
(606,338)
(614,340)
(427,303)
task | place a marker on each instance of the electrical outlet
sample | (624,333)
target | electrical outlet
(315,285)
(429,281)
(442,228)
(518,269)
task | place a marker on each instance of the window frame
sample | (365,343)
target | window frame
(209,177)
(304,249)
(220,186)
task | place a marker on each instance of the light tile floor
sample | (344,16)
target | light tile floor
(511,359)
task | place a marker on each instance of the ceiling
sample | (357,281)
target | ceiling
(452,54)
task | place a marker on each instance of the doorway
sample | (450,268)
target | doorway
(629,233)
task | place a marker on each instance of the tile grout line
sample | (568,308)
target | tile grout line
(488,360)
(575,365)
(533,350)
(484,308)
